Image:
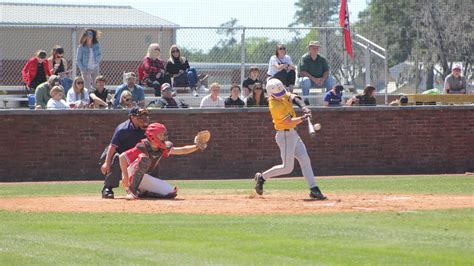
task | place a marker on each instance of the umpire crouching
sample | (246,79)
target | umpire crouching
(125,137)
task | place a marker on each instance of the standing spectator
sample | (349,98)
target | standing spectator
(42,93)
(282,68)
(234,99)
(367,98)
(125,137)
(57,99)
(314,70)
(213,99)
(100,95)
(78,95)
(154,72)
(182,75)
(333,97)
(36,71)
(138,94)
(126,101)
(89,55)
(58,66)
(252,79)
(167,100)
(455,83)
(257,98)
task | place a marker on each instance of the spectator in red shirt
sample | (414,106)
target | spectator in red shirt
(154,72)
(36,71)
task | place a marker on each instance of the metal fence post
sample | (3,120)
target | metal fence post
(386,71)
(242,56)
(367,65)
(73,50)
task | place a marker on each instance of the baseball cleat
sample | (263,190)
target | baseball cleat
(259,183)
(107,193)
(316,194)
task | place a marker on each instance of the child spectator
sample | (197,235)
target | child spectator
(282,68)
(100,95)
(57,99)
(78,95)
(252,79)
(257,98)
(126,101)
(333,97)
(89,55)
(42,93)
(138,94)
(213,99)
(367,98)
(58,66)
(36,71)
(234,99)
(154,73)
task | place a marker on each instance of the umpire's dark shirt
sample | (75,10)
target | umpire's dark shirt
(126,136)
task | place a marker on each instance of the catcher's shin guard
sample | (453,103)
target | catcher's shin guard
(138,172)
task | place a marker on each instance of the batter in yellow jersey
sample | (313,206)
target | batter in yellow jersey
(291,146)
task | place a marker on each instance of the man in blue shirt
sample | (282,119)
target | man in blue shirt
(138,94)
(125,137)
(333,97)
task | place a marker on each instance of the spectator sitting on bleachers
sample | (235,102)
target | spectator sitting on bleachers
(126,101)
(36,71)
(154,72)
(89,63)
(234,99)
(99,95)
(78,95)
(252,79)
(314,70)
(367,98)
(138,94)
(167,100)
(402,101)
(333,98)
(455,83)
(257,98)
(42,93)
(58,65)
(281,67)
(213,99)
(182,74)
(57,99)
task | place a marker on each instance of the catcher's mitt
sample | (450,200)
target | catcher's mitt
(202,138)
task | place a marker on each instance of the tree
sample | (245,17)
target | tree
(316,13)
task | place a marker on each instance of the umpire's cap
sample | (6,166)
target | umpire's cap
(137,111)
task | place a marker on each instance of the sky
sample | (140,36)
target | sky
(212,13)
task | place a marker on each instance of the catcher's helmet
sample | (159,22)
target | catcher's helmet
(275,88)
(152,132)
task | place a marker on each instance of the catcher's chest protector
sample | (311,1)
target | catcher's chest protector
(154,155)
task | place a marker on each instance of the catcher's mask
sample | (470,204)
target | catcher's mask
(275,88)
(157,134)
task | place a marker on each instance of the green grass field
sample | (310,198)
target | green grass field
(437,237)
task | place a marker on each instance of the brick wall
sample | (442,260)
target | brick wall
(65,145)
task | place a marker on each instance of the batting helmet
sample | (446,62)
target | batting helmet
(275,88)
(152,132)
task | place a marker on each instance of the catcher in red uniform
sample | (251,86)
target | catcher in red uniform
(137,162)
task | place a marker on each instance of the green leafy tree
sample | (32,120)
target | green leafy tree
(316,13)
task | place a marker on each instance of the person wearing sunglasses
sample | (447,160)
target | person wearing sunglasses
(455,83)
(36,71)
(58,65)
(182,74)
(281,67)
(89,56)
(257,98)
(154,72)
(126,101)
(78,95)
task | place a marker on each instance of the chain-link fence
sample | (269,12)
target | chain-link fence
(225,54)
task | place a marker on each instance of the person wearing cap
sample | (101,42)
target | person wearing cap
(314,70)
(42,93)
(99,95)
(251,80)
(89,55)
(455,83)
(138,93)
(125,137)
(36,71)
(167,100)
(281,67)
(333,98)
(291,146)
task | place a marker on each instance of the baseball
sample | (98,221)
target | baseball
(317,126)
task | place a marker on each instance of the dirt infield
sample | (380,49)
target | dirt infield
(240,204)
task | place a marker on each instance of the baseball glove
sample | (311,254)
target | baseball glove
(201,139)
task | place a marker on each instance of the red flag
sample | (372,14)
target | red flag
(344,22)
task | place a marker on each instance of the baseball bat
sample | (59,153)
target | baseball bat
(311,130)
